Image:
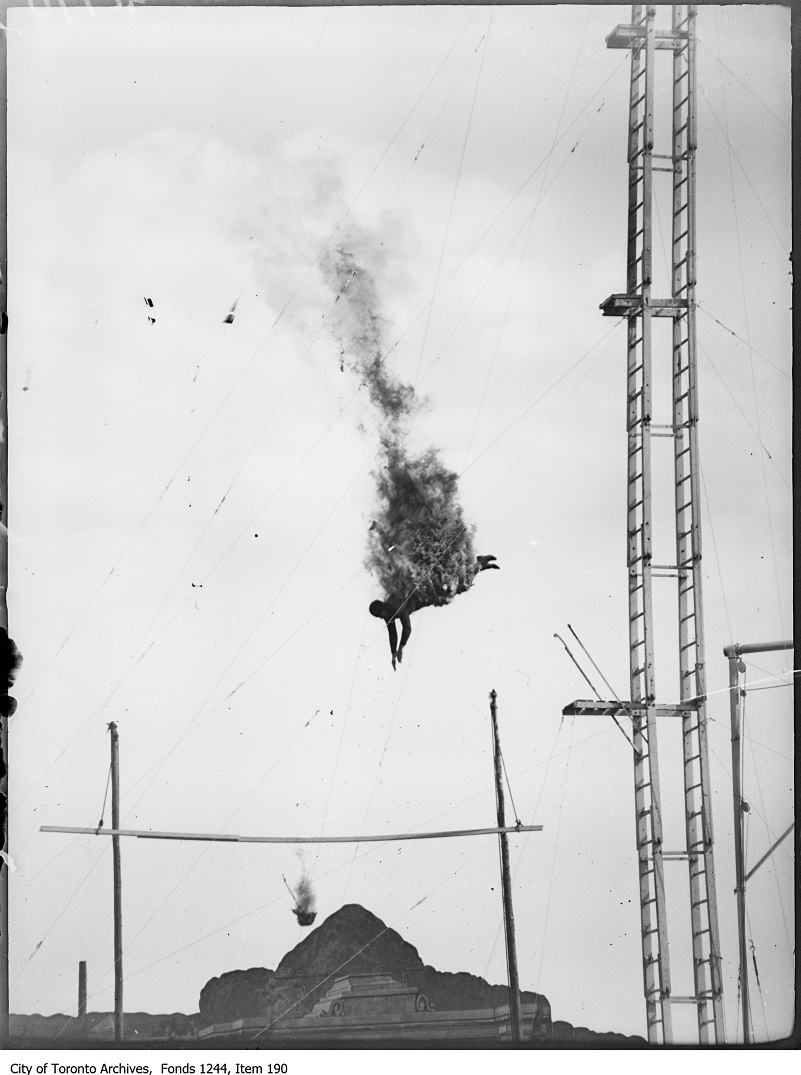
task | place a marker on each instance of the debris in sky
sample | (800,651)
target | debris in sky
(229,320)
(149,304)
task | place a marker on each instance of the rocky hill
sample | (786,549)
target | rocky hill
(350,941)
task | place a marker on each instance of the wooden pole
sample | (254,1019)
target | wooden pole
(232,838)
(739,863)
(115,847)
(82,989)
(515,1013)
(4,863)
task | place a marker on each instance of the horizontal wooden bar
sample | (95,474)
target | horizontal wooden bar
(625,305)
(589,707)
(146,834)
(625,35)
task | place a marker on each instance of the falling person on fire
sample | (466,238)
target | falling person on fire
(420,549)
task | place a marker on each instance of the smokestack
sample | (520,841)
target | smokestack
(82,989)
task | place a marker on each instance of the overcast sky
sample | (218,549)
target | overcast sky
(190,500)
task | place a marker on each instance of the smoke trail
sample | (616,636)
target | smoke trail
(304,895)
(419,546)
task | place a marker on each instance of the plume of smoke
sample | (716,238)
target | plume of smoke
(304,894)
(360,329)
(304,909)
(419,547)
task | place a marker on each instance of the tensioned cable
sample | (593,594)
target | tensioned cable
(193,723)
(134,662)
(742,83)
(502,212)
(770,834)
(754,810)
(750,356)
(191,869)
(350,959)
(527,221)
(196,723)
(171,479)
(377,772)
(756,975)
(446,282)
(553,859)
(782,242)
(335,767)
(543,395)
(105,797)
(455,191)
(524,248)
(715,547)
(363,853)
(250,361)
(744,416)
(60,915)
(542,428)
(775,687)
(736,335)
(140,527)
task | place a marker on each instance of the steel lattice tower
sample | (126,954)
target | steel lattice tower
(639,307)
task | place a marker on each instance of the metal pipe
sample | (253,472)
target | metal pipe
(739,866)
(737,648)
(115,847)
(515,1011)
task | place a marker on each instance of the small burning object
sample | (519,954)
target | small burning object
(304,901)
(229,320)
(305,918)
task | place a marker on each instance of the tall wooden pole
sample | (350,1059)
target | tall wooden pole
(4,864)
(739,862)
(515,1013)
(733,654)
(115,847)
